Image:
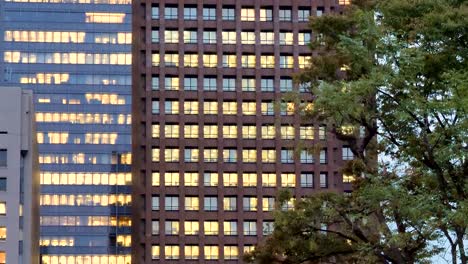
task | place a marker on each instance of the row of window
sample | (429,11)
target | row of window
(87,98)
(228,83)
(85,178)
(67,78)
(98,2)
(231,155)
(210,203)
(67,58)
(86,158)
(85,220)
(84,118)
(68,37)
(195,252)
(230,37)
(85,200)
(82,138)
(61,241)
(270,61)
(230,13)
(86,259)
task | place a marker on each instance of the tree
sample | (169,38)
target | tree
(392,78)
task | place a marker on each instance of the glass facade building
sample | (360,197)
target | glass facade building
(75,55)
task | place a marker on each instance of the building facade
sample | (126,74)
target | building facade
(216,125)
(75,55)
(19,178)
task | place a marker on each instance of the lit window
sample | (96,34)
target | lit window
(231,252)
(171,60)
(154,12)
(3,233)
(268,132)
(229,13)
(171,131)
(287,108)
(191,227)
(210,155)
(210,108)
(155,155)
(347,178)
(304,38)
(344,2)
(247,37)
(155,179)
(155,36)
(171,107)
(322,132)
(249,203)
(303,14)
(285,14)
(306,132)
(209,37)
(191,61)
(172,252)
(171,155)
(268,155)
(190,179)
(247,14)
(323,180)
(268,204)
(210,131)
(286,85)
(229,37)
(105,18)
(230,155)
(248,85)
(171,36)
(307,180)
(286,62)
(230,228)
(190,36)
(229,84)
(287,132)
(171,179)
(229,179)
(209,13)
(229,108)
(192,203)
(266,85)
(249,155)
(249,132)
(288,180)
(191,107)
(347,154)
(211,228)
(267,38)
(267,61)
(303,61)
(190,13)
(229,61)
(191,131)
(306,157)
(210,203)
(170,12)
(210,179)
(155,83)
(229,203)
(171,227)
(155,59)
(209,84)
(210,60)
(211,252)
(267,108)
(323,156)
(249,179)
(250,228)
(191,252)
(230,131)
(171,203)
(155,252)
(287,156)
(155,228)
(266,14)
(249,108)
(269,180)
(155,203)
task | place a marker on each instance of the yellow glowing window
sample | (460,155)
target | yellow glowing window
(229,37)
(344,2)
(230,131)
(210,60)
(191,179)
(267,38)
(247,14)
(268,180)
(191,228)
(249,179)
(248,61)
(230,179)
(191,107)
(303,61)
(267,61)
(191,131)
(105,17)
(229,61)
(229,108)
(211,227)
(288,180)
(191,252)
(348,178)
(268,155)
(171,60)
(191,60)
(2,208)
(249,155)
(248,37)
(249,132)
(268,132)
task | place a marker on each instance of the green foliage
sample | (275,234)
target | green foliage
(396,70)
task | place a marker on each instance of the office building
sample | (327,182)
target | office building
(75,55)
(19,178)
(216,129)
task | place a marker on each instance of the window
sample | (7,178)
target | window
(248,85)
(191,227)
(303,14)
(306,132)
(286,85)
(229,179)
(209,84)
(209,37)
(191,107)
(267,108)
(171,179)
(287,156)
(192,203)
(3,233)
(347,178)
(155,155)
(155,130)
(171,227)
(210,131)
(190,13)
(306,157)
(229,108)
(155,59)
(191,155)
(171,203)
(267,228)
(266,14)
(267,38)
(155,252)
(155,203)
(191,252)
(307,180)
(172,252)
(249,131)
(3,157)
(155,83)
(229,84)
(266,85)
(347,154)
(170,12)
(230,131)
(155,36)
(190,179)
(210,203)
(190,36)
(288,180)
(230,203)
(154,110)
(211,252)
(171,60)
(248,37)
(3,184)
(304,38)
(210,60)
(323,180)
(231,252)
(210,179)
(323,156)
(268,132)
(269,180)
(249,180)
(171,131)
(190,83)
(210,155)
(229,37)
(287,132)
(249,108)
(171,155)
(249,155)
(191,131)
(250,228)
(285,14)
(286,62)
(155,227)
(287,108)
(267,61)
(247,14)
(191,61)
(268,155)
(209,13)
(303,61)
(171,36)
(286,38)
(230,228)
(229,61)
(249,203)
(288,205)
(268,204)
(211,228)
(230,155)
(155,12)
(229,13)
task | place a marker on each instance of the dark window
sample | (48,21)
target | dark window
(3,157)
(3,184)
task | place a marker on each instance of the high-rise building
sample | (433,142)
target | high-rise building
(75,55)
(216,129)
(19,178)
